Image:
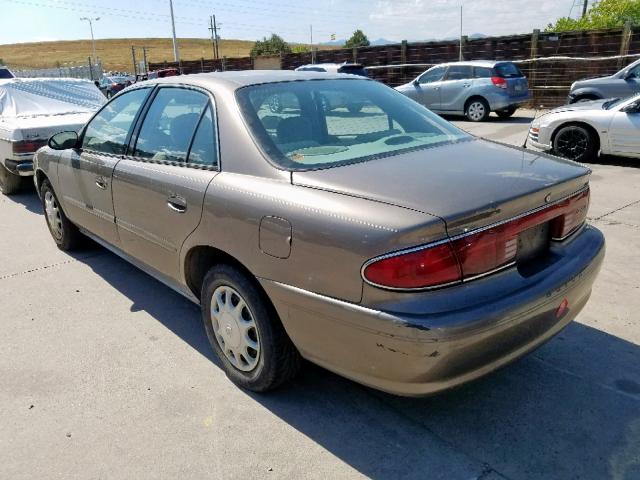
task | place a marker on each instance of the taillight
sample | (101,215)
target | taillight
(427,267)
(27,146)
(499,82)
(476,253)
(114,85)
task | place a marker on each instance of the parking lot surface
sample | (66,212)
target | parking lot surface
(106,373)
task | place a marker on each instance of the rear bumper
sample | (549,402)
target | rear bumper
(24,168)
(417,355)
(502,101)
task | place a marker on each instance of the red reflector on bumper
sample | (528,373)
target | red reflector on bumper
(562,309)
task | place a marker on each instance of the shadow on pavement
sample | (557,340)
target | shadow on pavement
(569,410)
(493,119)
(28,198)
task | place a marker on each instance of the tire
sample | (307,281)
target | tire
(477,110)
(64,233)
(10,183)
(575,143)
(264,357)
(506,113)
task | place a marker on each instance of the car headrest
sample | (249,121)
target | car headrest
(182,127)
(293,129)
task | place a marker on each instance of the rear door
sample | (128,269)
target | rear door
(85,175)
(159,187)
(427,88)
(455,88)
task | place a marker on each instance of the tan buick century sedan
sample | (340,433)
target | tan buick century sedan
(382,242)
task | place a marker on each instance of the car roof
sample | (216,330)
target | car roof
(234,80)
(475,63)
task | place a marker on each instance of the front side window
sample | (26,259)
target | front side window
(108,130)
(170,123)
(335,122)
(433,75)
(459,72)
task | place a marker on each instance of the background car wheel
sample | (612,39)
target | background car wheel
(576,143)
(275,105)
(245,331)
(64,233)
(477,110)
(507,112)
(9,182)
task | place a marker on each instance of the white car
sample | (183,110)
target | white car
(583,130)
(33,109)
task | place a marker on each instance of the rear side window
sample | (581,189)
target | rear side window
(108,130)
(5,73)
(482,72)
(204,149)
(354,70)
(459,72)
(507,70)
(170,124)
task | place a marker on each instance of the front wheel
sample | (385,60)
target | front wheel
(64,233)
(477,110)
(576,143)
(10,183)
(245,332)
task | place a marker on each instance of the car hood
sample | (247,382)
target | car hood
(469,184)
(592,105)
(587,82)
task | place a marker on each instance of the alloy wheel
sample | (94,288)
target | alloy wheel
(572,143)
(52,211)
(235,328)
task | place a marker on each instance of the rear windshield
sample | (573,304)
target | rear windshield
(354,70)
(507,70)
(313,124)
(5,73)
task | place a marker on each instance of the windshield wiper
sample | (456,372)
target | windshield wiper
(608,103)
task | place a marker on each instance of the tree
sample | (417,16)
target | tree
(274,45)
(358,39)
(604,14)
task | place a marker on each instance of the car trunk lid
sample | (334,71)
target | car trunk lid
(469,184)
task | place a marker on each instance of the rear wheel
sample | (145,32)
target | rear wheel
(245,332)
(64,233)
(576,143)
(506,113)
(477,110)
(9,182)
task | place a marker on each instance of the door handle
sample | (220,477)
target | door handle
(177,203)
(101,183)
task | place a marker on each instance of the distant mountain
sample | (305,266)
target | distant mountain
(383,41)
(374,43)
(476,36)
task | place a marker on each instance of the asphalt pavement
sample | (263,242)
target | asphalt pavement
(106,373)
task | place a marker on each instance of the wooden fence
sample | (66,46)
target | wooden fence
(551,61)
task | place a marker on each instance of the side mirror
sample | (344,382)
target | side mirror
(416,83)
(63,141)
(629,75)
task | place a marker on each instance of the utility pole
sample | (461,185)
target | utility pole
(585,6)
(313,56)
(93,40)
(460,56)
(176,50)
(133,55)
(144,58)
(214,36)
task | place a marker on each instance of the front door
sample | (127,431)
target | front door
(455,89)
(427,88)
(85,174)
(624,134)
(158,190)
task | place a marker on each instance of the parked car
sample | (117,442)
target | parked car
(582,131)
(31,110)
(5,73)
(351,68)
(474,89)
(619,85)
(112,85)
(166,72)
(388,245)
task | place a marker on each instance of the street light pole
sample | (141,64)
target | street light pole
(93,40)
(176,51)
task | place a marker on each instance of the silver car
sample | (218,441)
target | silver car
(582,131)
(386,245)
(619,85)
(474,89)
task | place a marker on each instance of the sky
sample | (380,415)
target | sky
(43,20)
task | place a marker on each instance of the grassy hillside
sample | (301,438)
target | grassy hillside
(115,53)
